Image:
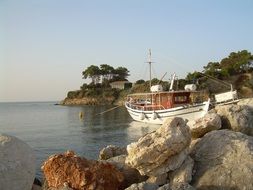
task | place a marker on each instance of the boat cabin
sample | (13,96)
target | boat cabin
(159,100)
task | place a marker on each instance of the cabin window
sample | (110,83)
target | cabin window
(180,99)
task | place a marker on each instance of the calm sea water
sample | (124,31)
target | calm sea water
(51,129)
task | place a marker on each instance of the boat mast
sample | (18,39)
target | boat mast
(172,82)
(149,62)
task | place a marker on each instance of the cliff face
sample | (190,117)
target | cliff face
(107,96)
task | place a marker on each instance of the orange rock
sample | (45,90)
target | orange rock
(80,173)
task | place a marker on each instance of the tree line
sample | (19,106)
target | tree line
(105,73)
(235,63)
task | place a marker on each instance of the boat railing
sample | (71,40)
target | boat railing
(145,107)
(153,107)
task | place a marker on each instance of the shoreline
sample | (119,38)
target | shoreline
(187,145)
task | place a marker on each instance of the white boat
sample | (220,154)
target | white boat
(162,105)
(158,105)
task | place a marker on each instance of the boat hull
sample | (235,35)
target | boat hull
(191,112)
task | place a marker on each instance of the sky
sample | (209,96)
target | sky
(46,44)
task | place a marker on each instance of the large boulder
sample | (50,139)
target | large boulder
(239,118)
(17,164)
(201,126)
(111,151)
(223,160)
(79,173)
(159,148)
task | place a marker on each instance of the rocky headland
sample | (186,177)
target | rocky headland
(88,101)
(243,83)
(214,152)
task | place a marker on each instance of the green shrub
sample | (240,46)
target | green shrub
(141,81)
(73,94)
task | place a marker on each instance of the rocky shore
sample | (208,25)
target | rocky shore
(214,152)
(88,101)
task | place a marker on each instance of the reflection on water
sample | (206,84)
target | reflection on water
(50,129)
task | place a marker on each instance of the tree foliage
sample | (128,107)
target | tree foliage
(106,72)
(212,69)
(193,77)
(235,63)
(141,81)
(121,73)
(92,72)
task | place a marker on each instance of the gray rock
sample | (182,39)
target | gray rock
(36,187)
(177,186)
(223,160)
(239,118)
(193,143)
(155,149)
(165,187)
(201,126)
(131,175)
(45,187)
(17,164)
(143,186)
(111,151)
(159,180)
(182,186)
(183,174)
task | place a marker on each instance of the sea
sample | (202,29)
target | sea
(51,129)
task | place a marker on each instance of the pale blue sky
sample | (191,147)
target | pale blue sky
(46,44)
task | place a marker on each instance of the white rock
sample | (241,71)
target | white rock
(17,164)
(151,154)
(170,164)
(201,126)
